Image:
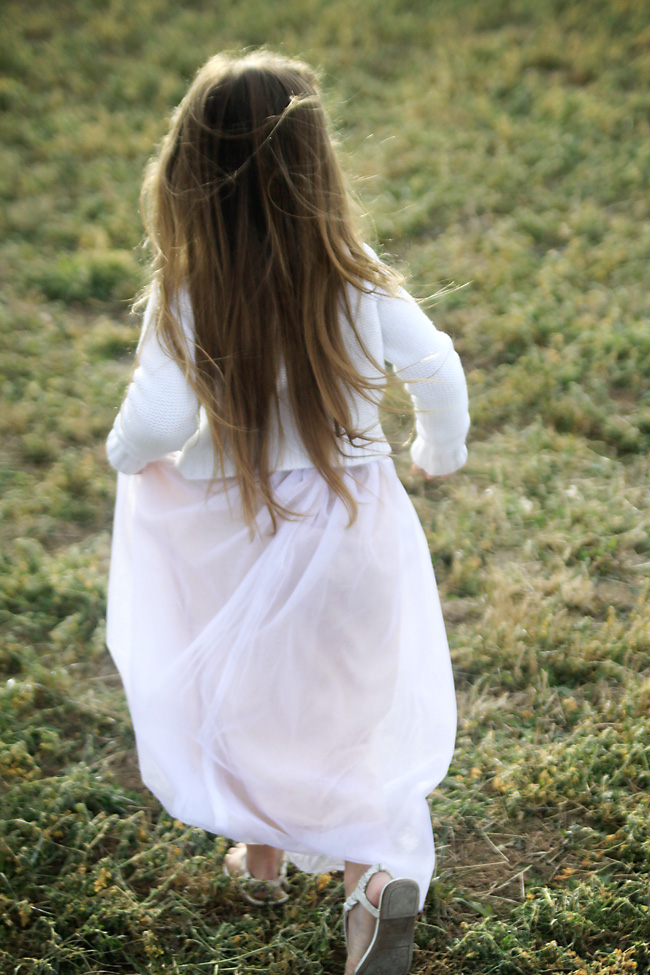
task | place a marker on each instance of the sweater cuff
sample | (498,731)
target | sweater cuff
(435,462)
(120,458)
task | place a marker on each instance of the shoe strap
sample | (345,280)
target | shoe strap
(358,895)
(276,882)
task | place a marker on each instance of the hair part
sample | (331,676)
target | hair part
(247,210)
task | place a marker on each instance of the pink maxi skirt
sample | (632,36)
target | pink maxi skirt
(295,688)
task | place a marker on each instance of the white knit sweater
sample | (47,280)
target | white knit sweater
(160,414)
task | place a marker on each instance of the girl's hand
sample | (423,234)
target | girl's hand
(429,477)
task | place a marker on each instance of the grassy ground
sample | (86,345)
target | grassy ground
(499,143)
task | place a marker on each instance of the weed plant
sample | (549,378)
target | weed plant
(502,145)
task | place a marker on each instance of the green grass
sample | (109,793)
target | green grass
(499,144)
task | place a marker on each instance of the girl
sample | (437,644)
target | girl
(272,607)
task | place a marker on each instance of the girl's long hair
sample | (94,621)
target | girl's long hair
(247,212)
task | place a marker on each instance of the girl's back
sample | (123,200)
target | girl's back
(248,211)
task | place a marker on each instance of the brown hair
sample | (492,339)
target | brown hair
(246,208)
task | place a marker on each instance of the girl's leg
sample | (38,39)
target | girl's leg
(262,862)
(361,924)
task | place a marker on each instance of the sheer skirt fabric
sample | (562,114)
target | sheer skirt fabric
(292,688)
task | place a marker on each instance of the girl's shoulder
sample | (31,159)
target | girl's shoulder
(383,295)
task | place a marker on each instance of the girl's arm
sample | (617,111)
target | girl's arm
(425,360)
(159,413)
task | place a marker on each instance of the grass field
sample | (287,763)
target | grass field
(503,145)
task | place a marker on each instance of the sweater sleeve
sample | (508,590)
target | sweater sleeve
(425,359)
(160,410)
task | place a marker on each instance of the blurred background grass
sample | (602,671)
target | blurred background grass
(498,144)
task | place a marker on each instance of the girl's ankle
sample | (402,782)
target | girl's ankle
(263,863)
